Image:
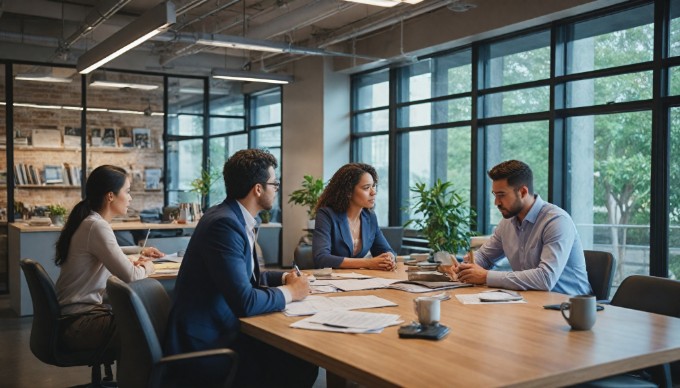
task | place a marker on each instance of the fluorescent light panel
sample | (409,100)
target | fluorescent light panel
(120,85)
(385,3)
(146,26)
(42,78)
(237,42)
(249,76)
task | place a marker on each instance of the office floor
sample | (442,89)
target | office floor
(20,368)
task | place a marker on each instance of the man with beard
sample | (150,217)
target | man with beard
(538,238)
(220,281)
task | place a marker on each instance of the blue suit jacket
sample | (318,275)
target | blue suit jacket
(215,287)
(332,240)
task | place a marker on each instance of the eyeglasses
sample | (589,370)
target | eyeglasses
(276,184)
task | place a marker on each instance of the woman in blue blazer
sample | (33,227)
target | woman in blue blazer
(346,228)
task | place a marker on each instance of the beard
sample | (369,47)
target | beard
(265,203)
(513,210)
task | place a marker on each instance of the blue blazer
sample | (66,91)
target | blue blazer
(215,287)
(332,240)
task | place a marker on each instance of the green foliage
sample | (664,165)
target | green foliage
(265,216)
(56,210)
(202,185)
(447,219)
(308,195)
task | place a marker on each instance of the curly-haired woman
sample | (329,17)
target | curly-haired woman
(346,228)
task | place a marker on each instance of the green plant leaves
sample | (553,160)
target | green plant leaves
(308,195)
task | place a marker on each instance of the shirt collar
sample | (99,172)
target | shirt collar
(250,220)
(532,215)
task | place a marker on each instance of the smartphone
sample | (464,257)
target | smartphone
(557,307)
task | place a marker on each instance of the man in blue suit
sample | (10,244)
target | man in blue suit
(220,281)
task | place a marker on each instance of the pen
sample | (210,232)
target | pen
(297,270)
(145,240)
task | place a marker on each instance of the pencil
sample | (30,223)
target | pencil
(145,240)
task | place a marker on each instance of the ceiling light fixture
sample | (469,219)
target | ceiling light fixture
(121,85)
(151,23)
(385,3)
(239,75)
(42,78)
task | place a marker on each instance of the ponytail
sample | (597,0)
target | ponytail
(78,214)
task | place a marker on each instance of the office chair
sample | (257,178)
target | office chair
(44,342)
(141,309)
(600,266)
(394,236)
(303,256)
(653,295)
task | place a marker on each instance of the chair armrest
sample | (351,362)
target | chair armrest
(165,362)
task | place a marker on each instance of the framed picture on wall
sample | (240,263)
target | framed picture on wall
(141,137)
(96,137)
(46,138)
(152,179)
(124,137)
(109,138)
(53,174)
(72,137)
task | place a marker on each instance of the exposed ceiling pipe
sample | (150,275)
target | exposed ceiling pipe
(213,11)
(101,12)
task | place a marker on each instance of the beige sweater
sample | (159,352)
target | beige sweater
(93,256)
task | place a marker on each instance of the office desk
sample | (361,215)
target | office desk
(489,345)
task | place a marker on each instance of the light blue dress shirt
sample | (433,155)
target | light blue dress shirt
(544,252)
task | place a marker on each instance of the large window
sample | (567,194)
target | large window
(575,100)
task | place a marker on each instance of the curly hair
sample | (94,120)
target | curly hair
(517,173)
(245,169)
(339,190)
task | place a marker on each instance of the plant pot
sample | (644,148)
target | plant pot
(57,220)
(443,258)
(310,224)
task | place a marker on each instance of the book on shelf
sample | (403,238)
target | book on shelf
(53,174)
(109,137)
(72,136)
(124,137)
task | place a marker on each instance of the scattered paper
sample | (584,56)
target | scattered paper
(315,304)
(474,299)
(173,257)
(348,322)
(362,284)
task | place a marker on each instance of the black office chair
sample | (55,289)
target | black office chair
(394,236)
(141,309)
(600,266)
(303,256)
(44,342)
(653,295)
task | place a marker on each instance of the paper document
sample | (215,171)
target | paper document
(314,304)
(488,296)
(350,275)
(362,284)
(348,322)
(173,257)
(419,286)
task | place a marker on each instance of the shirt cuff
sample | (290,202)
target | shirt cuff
(495,278)
(286,293)
(131,250)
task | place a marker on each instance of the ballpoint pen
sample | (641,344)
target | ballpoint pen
(297,270)
(145,240)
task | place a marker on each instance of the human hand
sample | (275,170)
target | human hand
(471,273)
(383,262)
(151,252)
(298,285)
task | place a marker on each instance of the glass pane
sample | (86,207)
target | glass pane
(225,98)
(436,77)
(375,121)
(221,125)
(518,60)
(674,81)
(674,31)
(374,151)
(437,154)
(527,142)
(610,169)
(612,40)
(266,108)
(266,137)
(517,102)
(183,168)
(371,90)
(609,90)
(674,197)
(438,112)
(185,106)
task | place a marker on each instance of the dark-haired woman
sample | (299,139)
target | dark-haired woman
(346,227)
(88,254)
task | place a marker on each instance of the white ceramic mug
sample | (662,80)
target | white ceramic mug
(582,311)
(427,309)
(420,256)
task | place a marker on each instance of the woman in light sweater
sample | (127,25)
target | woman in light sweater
(88,254)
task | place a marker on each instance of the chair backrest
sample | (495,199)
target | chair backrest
(394,236)
(44,331)
(141,309)
(600,267)
(304,257)
(648,293)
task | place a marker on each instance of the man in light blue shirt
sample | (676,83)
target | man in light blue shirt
(538,238)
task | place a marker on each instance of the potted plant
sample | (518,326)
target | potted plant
(265,216)
(202,184)
(446,218)
(57,213)
(308,195)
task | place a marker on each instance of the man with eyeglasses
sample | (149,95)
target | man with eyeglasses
(220,281)
(539,239)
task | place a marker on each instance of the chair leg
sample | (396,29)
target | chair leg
(108,372)
(96,375)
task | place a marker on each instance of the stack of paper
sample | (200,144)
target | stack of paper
(348,321)
(314,304)
(492,296)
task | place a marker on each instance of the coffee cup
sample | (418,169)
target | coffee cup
(420,256)
(582,311)
(427,309)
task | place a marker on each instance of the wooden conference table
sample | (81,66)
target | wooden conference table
(489,345)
